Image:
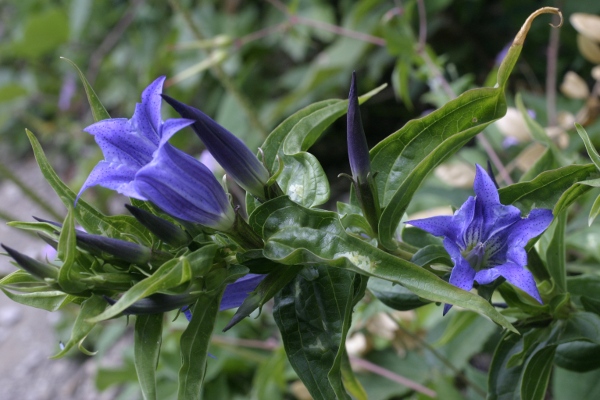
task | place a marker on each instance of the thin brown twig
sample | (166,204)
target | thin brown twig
(338,30)
(111,40)
(272,344)
(450,93)
(221,76)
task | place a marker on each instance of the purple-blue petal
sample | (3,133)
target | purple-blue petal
(116,177)
(233,155)
(521,278)
(151,105)
(183,187)
(462,274)
(121,143)
(171,127)
(527,228)
(485,189)
(442,225)
(236,292)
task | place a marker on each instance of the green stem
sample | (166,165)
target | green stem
(221,76)
(244,235)
(7,173)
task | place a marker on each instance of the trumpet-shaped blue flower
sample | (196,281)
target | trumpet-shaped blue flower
(140,163)
(229,151)
(486,240)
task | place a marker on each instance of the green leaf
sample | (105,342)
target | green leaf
(395,296)
(537,374)
(68,276)
(591,150)
(313,317)
(147,342)
(297,235)
(556,256)
(92,220)
(194,345)
(351,383)
(460,322)
(595,210)
(545,190)
(578,356)
(50,300)
(98,110)
(169,275)
(90,308)
(303,178)
(404,159)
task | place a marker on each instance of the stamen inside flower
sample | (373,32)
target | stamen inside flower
(475,256)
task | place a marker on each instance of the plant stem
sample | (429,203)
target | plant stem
(551,60)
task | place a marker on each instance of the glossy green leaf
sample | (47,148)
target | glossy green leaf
(98,110)
(404,159)
(297,235)
(461,321)
(147,342)
(90,308)
(92,220)
(194,345)
(395,296)
(556,254)
(351,382)
(537,374)
(545,190)
(313,317)
(578,356)
(502,381)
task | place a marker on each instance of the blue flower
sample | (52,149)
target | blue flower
(229,151)
(486,240)
(140,163)
(235,293)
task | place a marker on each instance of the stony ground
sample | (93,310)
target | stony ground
(27,336)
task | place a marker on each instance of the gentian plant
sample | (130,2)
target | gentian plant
(185,248)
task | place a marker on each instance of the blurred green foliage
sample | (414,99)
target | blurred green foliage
(249,65)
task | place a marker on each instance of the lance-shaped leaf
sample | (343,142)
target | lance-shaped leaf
(93,306)
(313,317)
(146,348)
(405,158)
(297,235)
(91,219)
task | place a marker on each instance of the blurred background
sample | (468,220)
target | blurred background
(249,65)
